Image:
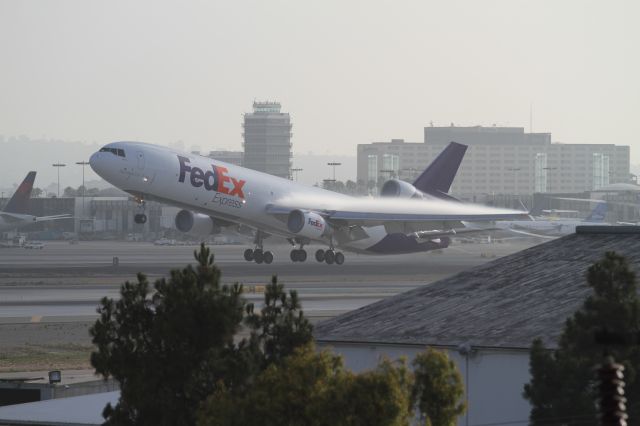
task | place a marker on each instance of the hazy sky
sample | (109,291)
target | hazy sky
(349,72)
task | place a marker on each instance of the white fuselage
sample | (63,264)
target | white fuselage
(211,187)
(15,220)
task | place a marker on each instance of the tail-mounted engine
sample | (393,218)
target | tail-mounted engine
(308,224)
(400,189)
(196,223)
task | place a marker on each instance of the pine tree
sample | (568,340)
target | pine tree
(280,327)
(562,385)
(169,348)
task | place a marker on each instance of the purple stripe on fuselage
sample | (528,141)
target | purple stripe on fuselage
(401,244)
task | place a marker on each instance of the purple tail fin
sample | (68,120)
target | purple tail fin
(437,178)
(19,203)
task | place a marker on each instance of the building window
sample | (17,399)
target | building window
(540,172)
(600,173)
(372,172)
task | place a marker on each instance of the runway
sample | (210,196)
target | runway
(48,297)
(64,282)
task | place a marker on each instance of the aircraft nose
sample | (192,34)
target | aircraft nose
(95,163)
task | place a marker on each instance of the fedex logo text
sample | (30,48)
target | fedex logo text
(212,180)
(315,223)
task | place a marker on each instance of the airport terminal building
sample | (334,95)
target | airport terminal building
(499,160)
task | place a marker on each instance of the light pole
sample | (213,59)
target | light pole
(58,165)
(82,163)
(296,170)
(334,164)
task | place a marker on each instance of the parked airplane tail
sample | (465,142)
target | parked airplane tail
(437,178)
(598,213)
(19,202)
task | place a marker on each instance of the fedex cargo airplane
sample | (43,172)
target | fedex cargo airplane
(405,219)
(14,215)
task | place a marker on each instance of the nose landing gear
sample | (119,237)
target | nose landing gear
(299,255)
(140,218)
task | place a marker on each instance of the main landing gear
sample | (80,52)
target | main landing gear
(257,254)
(330,256)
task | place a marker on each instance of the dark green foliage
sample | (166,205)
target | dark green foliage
(281,326)
(313,388)
(171,347)
(562,387)
(168,348)
(438,389)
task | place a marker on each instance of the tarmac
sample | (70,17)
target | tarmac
(64,282)
(48,297)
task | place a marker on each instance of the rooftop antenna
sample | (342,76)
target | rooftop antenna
(531,117)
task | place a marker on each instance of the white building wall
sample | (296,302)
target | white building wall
(506,168)
(494,378)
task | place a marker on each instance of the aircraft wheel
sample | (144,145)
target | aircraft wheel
(140,218)
(258,256)
(294,255)
(248,255)
(302,255)
(267,257)
(329,257)
(339,258)
(320,255)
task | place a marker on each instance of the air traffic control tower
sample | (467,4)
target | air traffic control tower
(267,139)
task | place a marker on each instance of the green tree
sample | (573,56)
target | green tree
(280,327)
(562,381)
(438,388)
(169,348)
(313,388)
(69,192)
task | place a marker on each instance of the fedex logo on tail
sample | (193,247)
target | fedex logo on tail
(215,179)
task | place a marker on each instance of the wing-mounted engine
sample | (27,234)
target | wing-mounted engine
(308,224)
(400,189)
(196,223)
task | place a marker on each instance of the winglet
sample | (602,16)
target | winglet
(19,202)
(437,178)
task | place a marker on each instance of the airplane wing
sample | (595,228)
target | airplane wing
(401,214)
(54,217)
(16,217)
(530,234)
(19,217)
(452,232)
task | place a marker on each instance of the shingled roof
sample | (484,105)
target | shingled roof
(504,304)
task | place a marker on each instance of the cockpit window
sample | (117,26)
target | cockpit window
(119,152)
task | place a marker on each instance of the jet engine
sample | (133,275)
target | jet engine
(308,224)
(196,223)
(400,189)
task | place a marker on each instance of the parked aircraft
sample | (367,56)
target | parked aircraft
(14,215)
(407,218)
(542,226)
